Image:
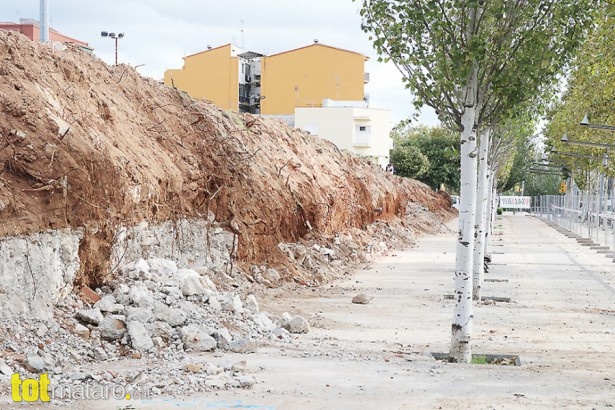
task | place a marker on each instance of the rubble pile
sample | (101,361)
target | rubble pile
(153,313)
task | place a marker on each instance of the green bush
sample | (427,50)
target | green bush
(499,211)
(409,161)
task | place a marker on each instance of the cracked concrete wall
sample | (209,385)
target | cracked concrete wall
(189,242)
(36,271)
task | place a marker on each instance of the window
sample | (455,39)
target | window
(363,136)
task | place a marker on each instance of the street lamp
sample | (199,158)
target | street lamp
(585,123)
(548,164)
(114,36)
(572,154)
(565,139)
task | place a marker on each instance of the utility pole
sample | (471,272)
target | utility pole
(44,22)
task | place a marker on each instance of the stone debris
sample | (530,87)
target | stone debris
(362,299)
(35,364)
(93,316)
(5,369)
(147,316)
(139,337)
(113,327)
(294,324)
(197,339)
(252,304)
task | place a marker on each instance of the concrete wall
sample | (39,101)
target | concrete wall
(341,125)
(188,242)
(36,271)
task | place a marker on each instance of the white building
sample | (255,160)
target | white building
(350,125)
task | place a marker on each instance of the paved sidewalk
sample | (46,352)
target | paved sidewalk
(560,321)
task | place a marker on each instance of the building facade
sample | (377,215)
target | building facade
(31,29)
(304,77)
(240,80)
(350,125)
(212,75)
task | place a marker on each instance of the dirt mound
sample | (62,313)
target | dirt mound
(85,145)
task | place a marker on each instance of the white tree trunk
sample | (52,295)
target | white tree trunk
(481,214)
(460,350)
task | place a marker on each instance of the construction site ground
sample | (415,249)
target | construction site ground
(560,321)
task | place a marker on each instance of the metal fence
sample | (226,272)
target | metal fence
(587,213)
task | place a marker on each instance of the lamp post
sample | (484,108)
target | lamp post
(572,154)
(585,122)
(565,140)
(115,36)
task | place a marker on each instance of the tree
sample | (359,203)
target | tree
(542,184)
(474,61)
(590,90)
(520,162)
(409,161)
(441,147)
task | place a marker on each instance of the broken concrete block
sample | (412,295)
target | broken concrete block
(139,338)
(252,304)
(35,363)
(172,316)
(223,337)
(294,324)
(93,316)
(196,338)
(112,327)
(105,303)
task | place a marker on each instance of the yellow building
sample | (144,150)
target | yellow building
(274,85)
(211,75)
(307,75)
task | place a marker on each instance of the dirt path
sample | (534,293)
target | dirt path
(560,321)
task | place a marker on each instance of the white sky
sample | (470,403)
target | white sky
(158,33)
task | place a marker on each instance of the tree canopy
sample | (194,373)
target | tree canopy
(440,147)
(518,46)
(590,90)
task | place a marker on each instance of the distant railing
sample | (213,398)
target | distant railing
(588,215)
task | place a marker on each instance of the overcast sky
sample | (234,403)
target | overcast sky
(158,33)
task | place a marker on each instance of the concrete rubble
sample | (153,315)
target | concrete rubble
(147,317)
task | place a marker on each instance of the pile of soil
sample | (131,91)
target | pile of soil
(87,145)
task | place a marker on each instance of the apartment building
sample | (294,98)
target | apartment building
(247,81)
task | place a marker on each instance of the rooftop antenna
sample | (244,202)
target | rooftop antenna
(44,22)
